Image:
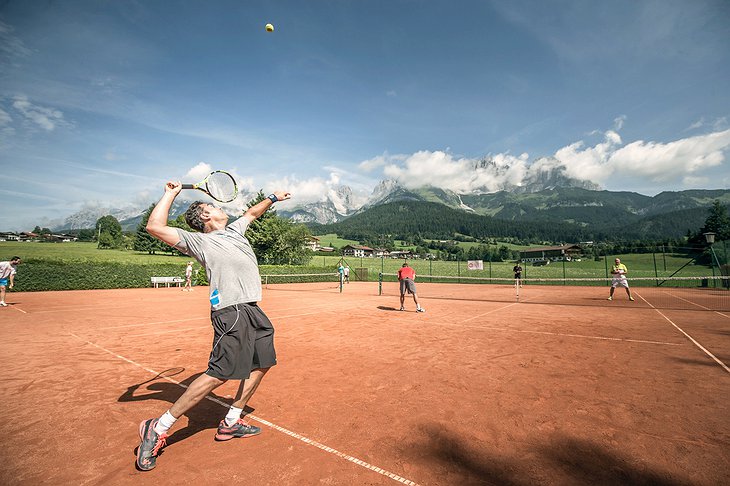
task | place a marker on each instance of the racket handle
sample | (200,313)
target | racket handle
(187,186)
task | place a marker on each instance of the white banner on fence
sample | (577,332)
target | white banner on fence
(475,265)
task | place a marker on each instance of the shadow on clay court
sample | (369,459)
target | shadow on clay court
(204,415)
(582,461)
(386,308)
(701,362)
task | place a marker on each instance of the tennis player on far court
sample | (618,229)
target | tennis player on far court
(7,276)
(619,272)
(188,277)
(243,337)
(517,269)
(407,278)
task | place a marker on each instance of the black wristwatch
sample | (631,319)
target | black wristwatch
(273,198)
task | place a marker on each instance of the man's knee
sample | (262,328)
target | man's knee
(210,382)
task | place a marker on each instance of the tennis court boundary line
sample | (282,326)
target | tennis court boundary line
(584,336)
(698,305)
(686,335)
(278,428)
(548,333)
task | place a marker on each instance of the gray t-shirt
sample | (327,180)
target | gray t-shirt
(229,262)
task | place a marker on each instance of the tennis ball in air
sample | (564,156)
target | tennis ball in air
(269,28)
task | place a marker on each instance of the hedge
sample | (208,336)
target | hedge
(39,274)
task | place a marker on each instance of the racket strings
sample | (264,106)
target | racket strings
(221,186)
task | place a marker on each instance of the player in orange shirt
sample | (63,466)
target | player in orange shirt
(407,277)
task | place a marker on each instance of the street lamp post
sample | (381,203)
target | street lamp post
(710,239)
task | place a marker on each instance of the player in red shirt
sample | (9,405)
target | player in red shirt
(407,277)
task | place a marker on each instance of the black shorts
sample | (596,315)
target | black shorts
(243,340)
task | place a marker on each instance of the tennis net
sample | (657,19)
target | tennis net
(303,281)
(697,293)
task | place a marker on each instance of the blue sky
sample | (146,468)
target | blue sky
(101,102)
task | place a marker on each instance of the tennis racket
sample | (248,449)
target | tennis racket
(219,184)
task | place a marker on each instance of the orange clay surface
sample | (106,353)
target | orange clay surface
(480,389)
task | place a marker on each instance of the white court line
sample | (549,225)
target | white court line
(288,432)
(553,333)
(18,309)
(491,311)
(687,335)
(698,305)
(602,338)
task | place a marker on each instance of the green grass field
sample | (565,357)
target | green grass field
(80,251)
(331,239)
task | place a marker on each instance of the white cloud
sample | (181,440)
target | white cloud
(379,161)
(303,191)
(198,172)
(588,163)
(680,164)
(698,124)
(463,175)
(718,125)
(312,190)
(246,188)
(618,122)
(45,118)
(671,162)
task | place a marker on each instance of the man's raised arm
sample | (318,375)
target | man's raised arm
(157,224)
(255,211)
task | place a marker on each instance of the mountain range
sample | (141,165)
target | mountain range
(546,194)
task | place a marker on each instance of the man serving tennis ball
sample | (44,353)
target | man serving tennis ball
(243,337)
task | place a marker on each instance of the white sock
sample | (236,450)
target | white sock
(233,415)
(165,423)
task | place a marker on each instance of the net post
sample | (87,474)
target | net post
(380,283)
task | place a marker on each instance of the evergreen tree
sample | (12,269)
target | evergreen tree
(143,241)
(717,222)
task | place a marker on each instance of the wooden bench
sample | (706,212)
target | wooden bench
(157,281)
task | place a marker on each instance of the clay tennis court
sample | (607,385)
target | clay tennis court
(480,389)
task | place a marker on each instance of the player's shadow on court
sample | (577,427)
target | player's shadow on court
(386,308)
(578,460)
(204,415)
